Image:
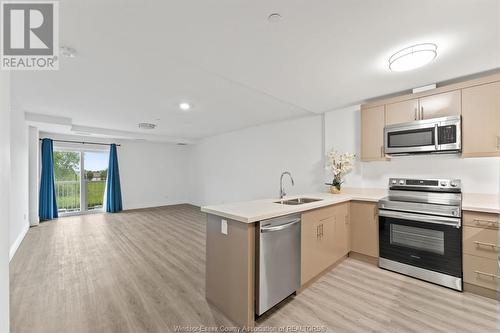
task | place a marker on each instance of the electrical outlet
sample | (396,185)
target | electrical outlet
(223,227)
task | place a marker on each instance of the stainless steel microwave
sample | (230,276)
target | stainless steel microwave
(438,135)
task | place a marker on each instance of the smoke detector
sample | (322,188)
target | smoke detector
(146,126)
(67,52)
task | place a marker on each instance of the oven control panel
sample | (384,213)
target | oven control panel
(452,185)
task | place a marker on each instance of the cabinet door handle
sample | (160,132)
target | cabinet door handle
(421,113)
(498,142)
(382,152)
(416,115)
(319,231)
(375,213)
(480,221)
(486,244)
(487,274)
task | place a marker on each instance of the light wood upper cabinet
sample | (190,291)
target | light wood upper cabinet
(477,101)
(364,228)
(481,120)
(434,106)
(372,133)
(401,112)
(440,105)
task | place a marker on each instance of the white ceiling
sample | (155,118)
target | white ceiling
(138,59)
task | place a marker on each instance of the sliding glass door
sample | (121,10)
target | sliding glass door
(67,167)
(80,177)
(96,173)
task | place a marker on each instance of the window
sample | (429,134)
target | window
(80,179)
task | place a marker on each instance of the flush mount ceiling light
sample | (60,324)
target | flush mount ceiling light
(184,106)
(147,126)
(413,57)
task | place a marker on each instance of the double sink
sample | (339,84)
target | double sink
(297,201)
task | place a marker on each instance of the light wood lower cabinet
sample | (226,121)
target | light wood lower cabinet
(324,239)
(481,272)
(481,242)
(364,228)
(481,251)
(342,236)
(481,220)
(481,120)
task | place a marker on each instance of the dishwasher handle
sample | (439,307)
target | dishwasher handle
(280,227)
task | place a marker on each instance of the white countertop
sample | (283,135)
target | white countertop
(257,210)
(478,202)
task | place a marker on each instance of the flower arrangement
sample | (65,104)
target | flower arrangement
(340,164)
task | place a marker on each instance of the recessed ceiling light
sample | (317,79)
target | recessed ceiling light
(413,57)
(67,52)
(274,18)
(184,106)
(147,126)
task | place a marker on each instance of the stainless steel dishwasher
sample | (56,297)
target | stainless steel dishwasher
(278,261)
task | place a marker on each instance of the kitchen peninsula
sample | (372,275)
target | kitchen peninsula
(348,223)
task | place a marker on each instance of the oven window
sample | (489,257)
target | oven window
(418,238)
(413,138)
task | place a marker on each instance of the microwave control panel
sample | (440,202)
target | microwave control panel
(447,134)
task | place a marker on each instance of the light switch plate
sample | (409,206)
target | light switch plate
(223,227)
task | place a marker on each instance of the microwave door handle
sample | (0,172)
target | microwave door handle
(436,137)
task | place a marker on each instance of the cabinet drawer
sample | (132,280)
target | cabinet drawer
(482,220)
(481,272)
(481,242)
(321,213)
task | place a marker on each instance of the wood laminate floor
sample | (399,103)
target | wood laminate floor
(144,271)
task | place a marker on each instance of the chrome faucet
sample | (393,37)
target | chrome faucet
(282,191)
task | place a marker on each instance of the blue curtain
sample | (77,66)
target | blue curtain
(113,189)
(47,199)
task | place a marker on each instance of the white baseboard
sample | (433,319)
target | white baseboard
(19,239)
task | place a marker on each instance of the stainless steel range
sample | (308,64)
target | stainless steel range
(420,230)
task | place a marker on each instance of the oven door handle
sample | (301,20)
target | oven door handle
(450,221)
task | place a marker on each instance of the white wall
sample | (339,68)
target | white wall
(19,190)
(4,199)
(342,132)
(34,174)
(153,174)
(247,164)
